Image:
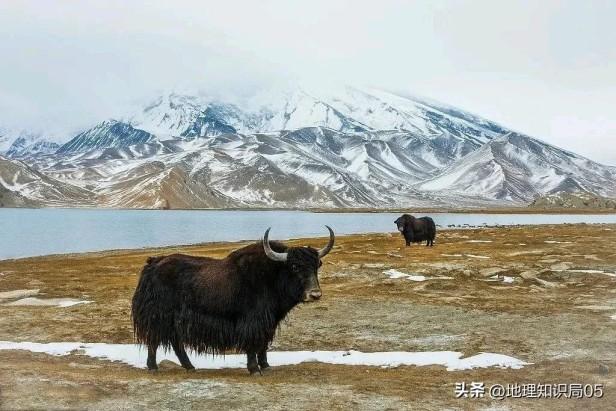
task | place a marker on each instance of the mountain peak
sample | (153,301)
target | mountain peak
(109,133)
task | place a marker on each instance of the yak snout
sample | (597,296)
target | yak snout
(313,290)
(312,295)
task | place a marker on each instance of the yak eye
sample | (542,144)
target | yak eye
(294,267)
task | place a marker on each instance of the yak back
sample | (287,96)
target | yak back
(226,286)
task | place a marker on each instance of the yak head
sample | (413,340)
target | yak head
(403,221)
(302,265)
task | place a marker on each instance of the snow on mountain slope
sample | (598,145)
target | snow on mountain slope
(31,145)
(169,115)
(345,109)
(313,166)
(381,110)
(110,133)
(517,168)
(23,185)
(320,167)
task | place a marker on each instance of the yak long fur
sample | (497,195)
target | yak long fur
(214,305)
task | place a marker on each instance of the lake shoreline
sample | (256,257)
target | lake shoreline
(35,232)
(168,249)
(344,210)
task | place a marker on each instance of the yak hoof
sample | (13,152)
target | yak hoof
(153,370)
(190,369)
(255,371)
(264,367)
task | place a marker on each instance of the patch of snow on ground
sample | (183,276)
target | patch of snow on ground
(48,302)
(557,242)
(395,274)
(505,279)
(452,255)
(596,307)
(135,355)
(587,272)
(9,295)
(477,256)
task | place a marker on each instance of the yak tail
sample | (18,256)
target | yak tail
(431,229)
(150,311)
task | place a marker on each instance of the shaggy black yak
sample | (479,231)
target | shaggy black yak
(215,305)
(416,230)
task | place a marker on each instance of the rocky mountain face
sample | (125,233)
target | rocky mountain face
(517,168)
(110,133)
(343,148)
(580,200)
(31,145)
(21,185)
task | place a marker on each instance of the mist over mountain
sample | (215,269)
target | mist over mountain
(297,147)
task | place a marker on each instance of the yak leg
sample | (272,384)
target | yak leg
(180,352)
(151,362)
(251,363)
(262,359)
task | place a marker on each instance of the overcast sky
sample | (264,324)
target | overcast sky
(546,68)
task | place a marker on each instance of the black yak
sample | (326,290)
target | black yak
(215,305)
(416,230)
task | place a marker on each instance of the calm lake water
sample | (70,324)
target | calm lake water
(32,232)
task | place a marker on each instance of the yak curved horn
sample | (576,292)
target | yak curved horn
(324,251)
(273,255)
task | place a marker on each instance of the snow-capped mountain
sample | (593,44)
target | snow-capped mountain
(344,147)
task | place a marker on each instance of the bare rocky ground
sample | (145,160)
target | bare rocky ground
(536,309)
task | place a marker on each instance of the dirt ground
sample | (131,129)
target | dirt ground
(537,309)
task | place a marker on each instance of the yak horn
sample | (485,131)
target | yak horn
(273,255)
(324,251)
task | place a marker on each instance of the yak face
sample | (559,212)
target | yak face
(303,264)
(402,221)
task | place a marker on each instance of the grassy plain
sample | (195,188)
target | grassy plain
(537,308)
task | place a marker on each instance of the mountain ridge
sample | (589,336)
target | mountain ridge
(350,148)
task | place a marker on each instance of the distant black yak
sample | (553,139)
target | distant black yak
(215,305)
(416,230)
